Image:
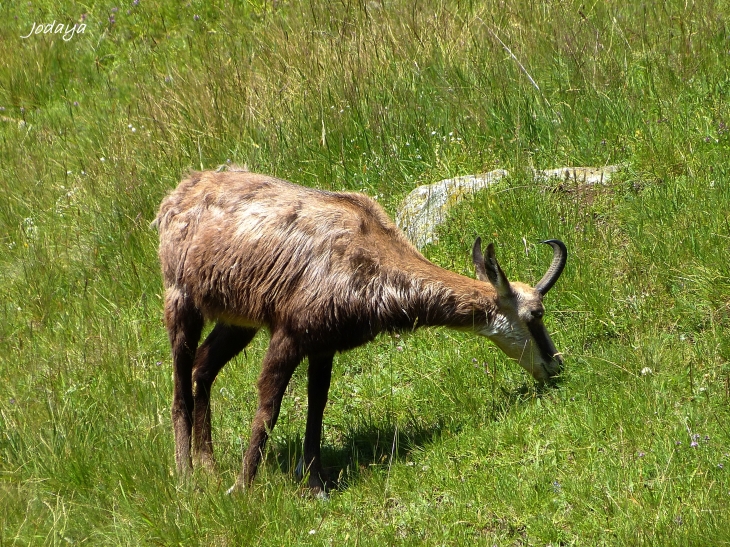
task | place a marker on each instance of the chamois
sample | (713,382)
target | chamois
(324,272)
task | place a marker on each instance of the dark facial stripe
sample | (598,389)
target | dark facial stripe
(542,340)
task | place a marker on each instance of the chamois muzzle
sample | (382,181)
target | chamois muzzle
(560,255)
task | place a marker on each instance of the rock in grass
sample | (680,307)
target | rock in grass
(427,206)
(581,175)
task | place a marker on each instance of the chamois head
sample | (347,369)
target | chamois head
(517,328)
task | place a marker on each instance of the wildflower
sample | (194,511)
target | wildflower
(76,103)
(399,348)
(135,3)
(641,454)
(112,20)
(196,17)
(646,371)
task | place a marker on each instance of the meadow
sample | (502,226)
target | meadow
(434,437)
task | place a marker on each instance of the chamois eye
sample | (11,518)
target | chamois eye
(537,314)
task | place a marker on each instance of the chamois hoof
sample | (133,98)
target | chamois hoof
(235,489)
(320,494)
(317,490)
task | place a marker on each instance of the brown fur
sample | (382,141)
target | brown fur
(323,272)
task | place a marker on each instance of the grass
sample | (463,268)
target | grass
(435,436)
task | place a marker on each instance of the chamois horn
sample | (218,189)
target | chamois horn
(560,255)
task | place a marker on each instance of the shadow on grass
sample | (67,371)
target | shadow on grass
(379,445)
(360,450)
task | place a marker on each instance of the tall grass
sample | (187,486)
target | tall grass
(435,437)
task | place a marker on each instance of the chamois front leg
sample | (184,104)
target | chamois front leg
(280,361)
(222,344)
(184,325)
(320,374)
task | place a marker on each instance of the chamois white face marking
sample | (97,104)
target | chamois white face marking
(519,332)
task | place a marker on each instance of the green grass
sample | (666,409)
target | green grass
(435,436)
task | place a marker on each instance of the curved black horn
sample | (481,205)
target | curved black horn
(560,255)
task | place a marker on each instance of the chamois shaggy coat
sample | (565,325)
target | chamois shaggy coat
(323,272)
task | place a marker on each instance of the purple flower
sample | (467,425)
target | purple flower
(694,444)
(112,20)
(196,17)
(135,3)
(641,454)
(76,103)
(83,17)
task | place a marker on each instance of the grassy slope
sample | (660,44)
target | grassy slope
(437,438)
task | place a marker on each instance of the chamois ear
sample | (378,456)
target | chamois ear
(488,269)
(478,259)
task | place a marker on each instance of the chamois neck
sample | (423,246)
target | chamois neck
(432,296)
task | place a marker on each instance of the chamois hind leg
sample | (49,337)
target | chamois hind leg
(184,325)
(320,374)
(222,344)
(279,364)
